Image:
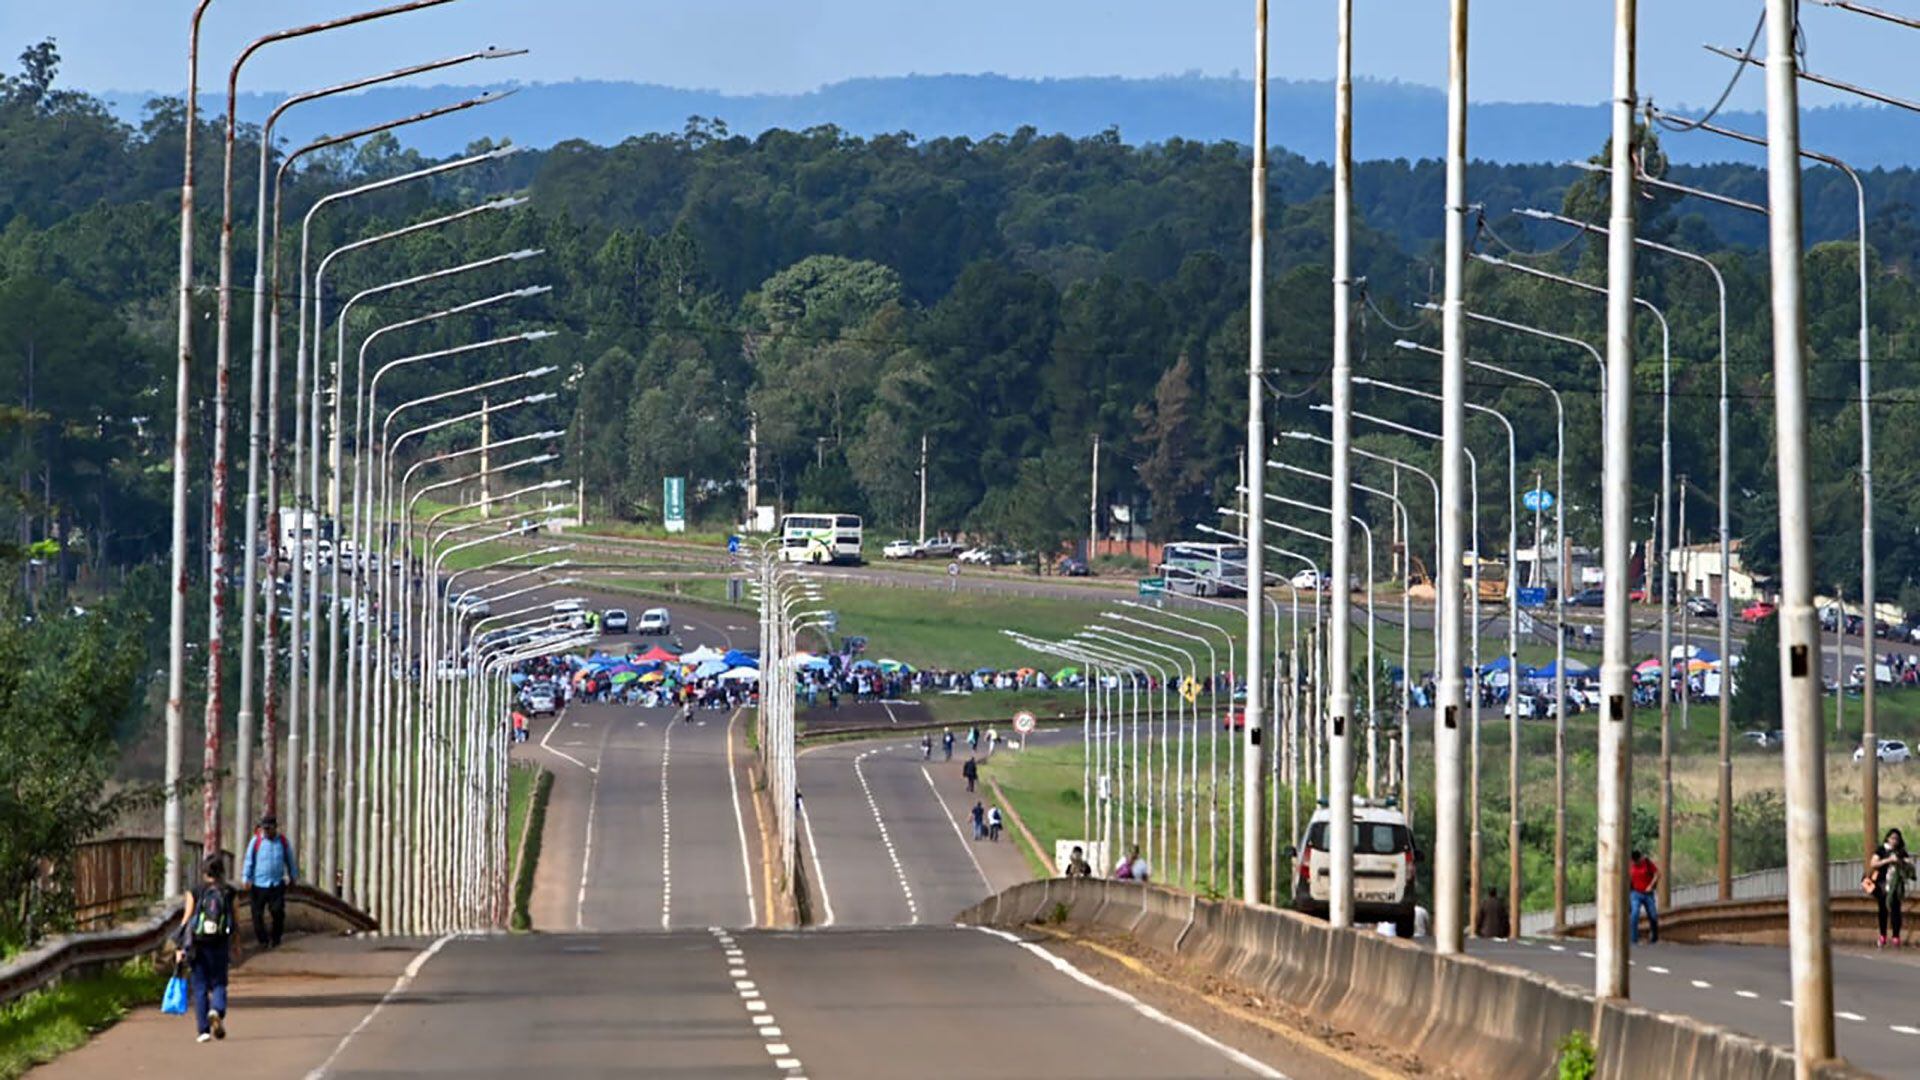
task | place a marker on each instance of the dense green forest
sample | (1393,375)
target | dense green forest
(1008,298)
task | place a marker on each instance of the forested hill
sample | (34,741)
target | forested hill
(1008,298)
(1393,120)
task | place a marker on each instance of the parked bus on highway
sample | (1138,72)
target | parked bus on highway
(820,538)
(1203,569)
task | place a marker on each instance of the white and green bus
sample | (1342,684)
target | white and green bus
(820,538)
(1203,569)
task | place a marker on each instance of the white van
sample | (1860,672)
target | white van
(1384,857)
(655,621)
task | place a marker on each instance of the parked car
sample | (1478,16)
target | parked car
(1307,579)
(1384,857)
(1763,740)
(655,621)
(614,621)
(900,549)
(541,701)
(1890,752)
(940,547)
(1757,611)
(1702,608)
(1594,597)
(573,613)
(1074,568)
(979,556)
(1882,674)
(1637,595)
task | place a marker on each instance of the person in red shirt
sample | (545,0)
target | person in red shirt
(1644,876)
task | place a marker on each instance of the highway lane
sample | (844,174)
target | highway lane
(1747,989)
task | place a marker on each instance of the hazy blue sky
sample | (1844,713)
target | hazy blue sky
(1523,50)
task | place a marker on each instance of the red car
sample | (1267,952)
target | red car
(1638,596)
(1756,611)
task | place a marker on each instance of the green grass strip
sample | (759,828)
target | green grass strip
(47,1023)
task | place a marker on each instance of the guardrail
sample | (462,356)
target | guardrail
(308,909)
(1843,878)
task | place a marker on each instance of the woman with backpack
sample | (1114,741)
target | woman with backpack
(1888,871)
(206,942)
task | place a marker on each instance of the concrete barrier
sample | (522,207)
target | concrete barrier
(1471,1016)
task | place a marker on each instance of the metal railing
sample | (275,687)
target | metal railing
(1843,876)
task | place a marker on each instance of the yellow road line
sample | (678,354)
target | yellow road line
(1341,1057)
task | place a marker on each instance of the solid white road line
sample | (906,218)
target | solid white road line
(958,835)
(1245,1061)
(399,987)
(740,823)
(819,875)
(548,746)
(586,855)
(666,833)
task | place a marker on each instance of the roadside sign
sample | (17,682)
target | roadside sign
(1023,723)
(1533,597)
(1537,499)
(1152,586)
(673,504)
(733,545)
(855,644)
(1190,689)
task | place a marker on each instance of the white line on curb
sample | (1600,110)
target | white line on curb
(399,987)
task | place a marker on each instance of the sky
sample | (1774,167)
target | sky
(1520,50)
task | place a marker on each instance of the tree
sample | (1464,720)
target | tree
(1174,475)
(1756,696)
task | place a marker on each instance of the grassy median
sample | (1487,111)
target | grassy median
(528,788)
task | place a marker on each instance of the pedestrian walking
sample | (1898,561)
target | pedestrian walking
(946,744)
(971,771)
(926,747)
(993,740)
(973,738)
(1077,865)
(1888,871)
(206,937)
(979,821)
(1643,875)
(266,872)
(993,824)
(1494,922)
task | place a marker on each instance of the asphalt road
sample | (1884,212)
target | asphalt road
(1747,989)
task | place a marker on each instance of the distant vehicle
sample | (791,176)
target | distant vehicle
(655,621)
(1071,567)
(1204,569)
(900,549)
(1307,579)
(1882,674)
(820,538)
(614,621)
(472,605)
(1762,740)
(979,556)
(1595,597)
(449,669)
(1890,752)
(940,547)
(1637,595)
(1702,608)
(541,701)
(1757,611)
(1236,720)
(1384,857)
(573,613)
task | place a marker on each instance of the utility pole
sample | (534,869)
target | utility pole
(1449,843)
(1616,672)
(753,469)
(1093,501)
(1808,949)
(923,488)
(1256,450)
(486,459)
(1340,632)
(1537,571)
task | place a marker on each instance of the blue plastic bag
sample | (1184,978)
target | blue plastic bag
(174,1001)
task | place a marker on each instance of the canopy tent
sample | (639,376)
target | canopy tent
(1575,669)
(896,667)
(709,669)
(1501,665)
(1696,652)
(701,655)
(657,655)
(865,665)
(740,674)
(516,678)
(735,658)
(1066,673)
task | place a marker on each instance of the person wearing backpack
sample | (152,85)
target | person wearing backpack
(207,935)
(267,871)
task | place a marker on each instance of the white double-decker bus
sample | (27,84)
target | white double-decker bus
(820,538)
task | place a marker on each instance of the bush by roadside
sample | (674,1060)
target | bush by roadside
(47,1023)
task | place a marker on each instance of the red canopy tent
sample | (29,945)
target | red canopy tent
(657,655)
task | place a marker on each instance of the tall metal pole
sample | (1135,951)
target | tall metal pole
(172,847)
(923,490)
(1256,485)
(1616,672)
(1339,632)
(1093,500)
(1449,842)
(1808,949)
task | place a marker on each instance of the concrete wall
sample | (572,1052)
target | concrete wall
(1466,1014)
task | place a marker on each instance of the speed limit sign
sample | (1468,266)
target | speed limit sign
(1023,723)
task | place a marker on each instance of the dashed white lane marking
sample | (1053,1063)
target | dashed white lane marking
(958,835)
(1745,994)
(666,833)
(1702,984)
(740,823)
(1658,970)
(1788,1002)
(1853,1016)
(756,1006)
(819,875)
(893,856)
(763,1024)
(1902,1029)
(1558,948)
(779,1049)
(399,987)
(1251,1064)
(1585,955)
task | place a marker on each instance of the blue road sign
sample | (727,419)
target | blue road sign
(733,545)
(1537,499)
(1534,597)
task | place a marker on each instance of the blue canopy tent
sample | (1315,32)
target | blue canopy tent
(1575,670)
(736,659)
(709,669)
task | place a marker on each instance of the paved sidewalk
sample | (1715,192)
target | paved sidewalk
(289,1009)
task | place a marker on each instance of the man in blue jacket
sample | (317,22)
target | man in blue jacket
(267,871)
